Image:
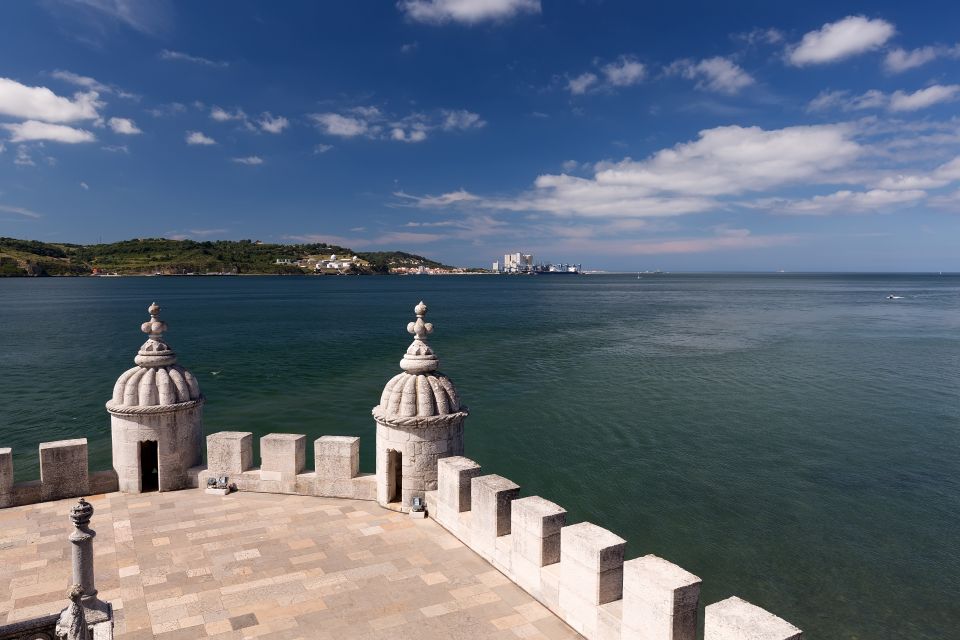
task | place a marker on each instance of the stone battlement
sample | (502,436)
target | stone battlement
(64,473)
(282,462)
(578,571)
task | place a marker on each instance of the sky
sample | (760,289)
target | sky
(683,136)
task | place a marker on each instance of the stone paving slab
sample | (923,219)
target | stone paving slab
(186,565)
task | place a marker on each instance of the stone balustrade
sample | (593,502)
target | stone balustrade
(64,473)
(282,465)
(578,571)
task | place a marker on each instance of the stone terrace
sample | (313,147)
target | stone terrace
(189,565)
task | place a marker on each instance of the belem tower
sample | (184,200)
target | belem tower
(427,546)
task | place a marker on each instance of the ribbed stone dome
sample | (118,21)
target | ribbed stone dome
(157,380)
(407,395)
(420,391)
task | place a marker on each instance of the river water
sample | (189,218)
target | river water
(791,439)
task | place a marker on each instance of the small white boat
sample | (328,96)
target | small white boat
(893,297)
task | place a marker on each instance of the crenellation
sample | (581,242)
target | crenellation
(660,600)
(336,457)
(491,497)
(230,452)
(737,619)
(282,456)
(63,469)
(591,573)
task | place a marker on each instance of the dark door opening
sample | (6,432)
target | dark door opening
(149,467)
(394,461)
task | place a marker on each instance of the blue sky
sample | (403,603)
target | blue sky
(622,135)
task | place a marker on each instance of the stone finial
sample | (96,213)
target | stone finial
(76,620)
(155,352)
(81,513)
(419,357)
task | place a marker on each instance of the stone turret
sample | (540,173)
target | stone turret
(419,420)
(156,417)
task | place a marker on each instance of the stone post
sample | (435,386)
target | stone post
(6,477)
(82,541)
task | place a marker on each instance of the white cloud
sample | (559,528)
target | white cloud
(3,147)
(272,124)
(624,72)
(179,56)
(167,110)
(20,211)
(846,202)
(125,126)
(322,148)
(222,115)
(412,135)
(116,148)
(371,122)
(249,160)
(81,81)
(152,17)
(713,74)
(899,60)
(35,130)
(761,36)
(941,176)
(465,11)
(335,124)
(838,40)
(582,83)
(196,137)
(85,186)
(24,159)
(901,101)
(409,47)
(39,103)
(461,120)
(91,84)
(826,100)
(687,178)
(874,99)
(444,200)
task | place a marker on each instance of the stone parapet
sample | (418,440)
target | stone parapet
(336,457)
(282,456)
(63,474)
(63,469)
(229,452)
(578,571)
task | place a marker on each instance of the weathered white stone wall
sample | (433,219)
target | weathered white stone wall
(63,471)
(179,438)
(578,571)
(420,447)
(283,456)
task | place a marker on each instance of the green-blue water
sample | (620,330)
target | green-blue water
(792,439)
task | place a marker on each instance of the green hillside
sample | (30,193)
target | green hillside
(159,255)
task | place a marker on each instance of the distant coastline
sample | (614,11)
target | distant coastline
(164,257)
